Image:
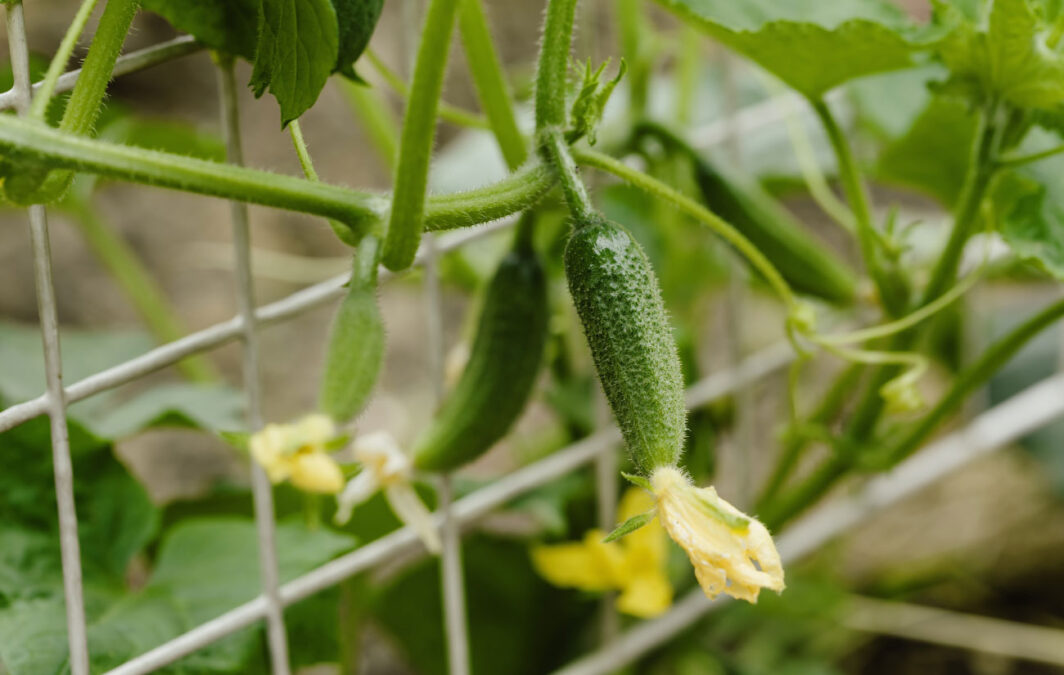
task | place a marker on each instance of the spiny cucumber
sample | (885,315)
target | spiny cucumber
(503,363)
(617,297)
(356,341)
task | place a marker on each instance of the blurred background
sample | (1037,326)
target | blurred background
(986,541)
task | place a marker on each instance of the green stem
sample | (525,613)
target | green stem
(33,142)
(698,212)
(631,25)
(302,151)
(557,150)
(552,74)
(445,111)
(975,375)
(377,119)
(491,85)
(1021,160)
(688,72)
(894,299)
(794,444)
(519,191)
(61,58)
(419,130)
(84,105)
(138,284)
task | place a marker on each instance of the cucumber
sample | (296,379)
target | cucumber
(619,303)
(503,363)
(806,265)
(356,341)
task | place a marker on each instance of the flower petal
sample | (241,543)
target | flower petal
(407,505)
(316,472)
(646,595)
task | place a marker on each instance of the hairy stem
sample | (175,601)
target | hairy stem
(553,145)
(491,85)
(419,129)
(552,71)
(60,59)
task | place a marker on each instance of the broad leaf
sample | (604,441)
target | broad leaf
(208,407)
(812,45)
(1031,217)
(933,156)
(1009,60)
(230,26)
(296,52)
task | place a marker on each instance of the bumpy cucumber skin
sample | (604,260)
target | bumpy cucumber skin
(502,368)
(356,342)
(617,297)
(803,262)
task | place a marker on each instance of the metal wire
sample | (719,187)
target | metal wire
(262,490)
(55,402)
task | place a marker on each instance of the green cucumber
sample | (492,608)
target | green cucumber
(619,303)
(503,363)
(805,264)
(356,341)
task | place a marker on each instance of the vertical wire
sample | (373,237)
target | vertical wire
(262,491)
(62,467)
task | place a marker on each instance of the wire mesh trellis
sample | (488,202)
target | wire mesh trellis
(1025,412)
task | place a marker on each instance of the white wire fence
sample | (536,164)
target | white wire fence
(1005,423)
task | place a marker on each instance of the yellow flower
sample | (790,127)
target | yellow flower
(297,452)
(633,565)
(385,467)
(731,552)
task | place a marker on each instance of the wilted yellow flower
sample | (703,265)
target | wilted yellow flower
(633,565)
(385,467)
(731,552)
(297,452)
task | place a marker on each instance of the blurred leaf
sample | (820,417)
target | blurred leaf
(296,52)
(1009,60)
(811,45)
(933,155)
(230,26)
(888,104)
(196,406)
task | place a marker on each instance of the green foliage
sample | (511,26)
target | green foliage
(229,26)
(811,45)
(1030,213)
(356,20)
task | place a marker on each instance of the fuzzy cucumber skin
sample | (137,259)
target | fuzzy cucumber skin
(803,262)
(617,297)
(356,341)
(501,372)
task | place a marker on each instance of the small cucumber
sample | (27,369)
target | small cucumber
(503,363)
(617,297)
(804,263)
(356,341)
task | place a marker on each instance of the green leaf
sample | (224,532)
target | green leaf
(356,20)
(230,26)
(638,481)
(933,155)
(297,50)
(208,407)
(812,45)
(629,526)
(1009,60)
(1030,213)
(205,567)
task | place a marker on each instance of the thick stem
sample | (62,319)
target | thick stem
(517,192)
(552,72)
(891,292)
(490,82)
(419,129)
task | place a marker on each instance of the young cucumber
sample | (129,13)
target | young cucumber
(617,297)
(503,363)
(356,342)
(805,264)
